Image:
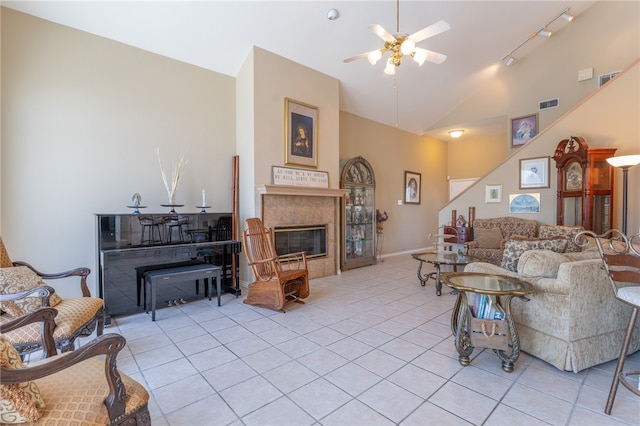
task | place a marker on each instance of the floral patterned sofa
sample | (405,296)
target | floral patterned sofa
(489,234)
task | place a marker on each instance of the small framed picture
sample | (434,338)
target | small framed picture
(301,133)
(523,129)
(493,193)
(524,203)
(412,185)
(534,173)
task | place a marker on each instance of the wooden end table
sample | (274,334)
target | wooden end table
(461,318)
(437,258)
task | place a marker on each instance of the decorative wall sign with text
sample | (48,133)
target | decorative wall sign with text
(300,177)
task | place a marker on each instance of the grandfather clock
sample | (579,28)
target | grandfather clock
(585,185)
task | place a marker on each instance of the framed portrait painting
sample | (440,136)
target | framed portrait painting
(523,129)
(412,186)
(534,173)
(301,133)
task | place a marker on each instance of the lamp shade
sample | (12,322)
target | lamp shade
(624,161)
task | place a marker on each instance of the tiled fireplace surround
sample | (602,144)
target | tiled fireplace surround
(298,206)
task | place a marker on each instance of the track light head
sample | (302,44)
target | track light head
(509,60)
(545,33)
(567,16)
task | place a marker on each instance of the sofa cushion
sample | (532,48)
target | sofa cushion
(514,248)
(19,402)
(570,232)
(488,238)
(20,278)
(540,263)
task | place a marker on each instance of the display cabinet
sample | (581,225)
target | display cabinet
(358,214)
(585,185)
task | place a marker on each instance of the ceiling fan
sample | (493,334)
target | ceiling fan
(400,45)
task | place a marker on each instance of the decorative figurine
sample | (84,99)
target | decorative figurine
(461,223)
(137,199)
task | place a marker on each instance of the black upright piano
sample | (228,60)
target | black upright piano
(128,241)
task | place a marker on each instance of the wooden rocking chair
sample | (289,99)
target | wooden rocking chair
(278,279)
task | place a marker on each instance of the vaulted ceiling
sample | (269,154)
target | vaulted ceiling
(218,35)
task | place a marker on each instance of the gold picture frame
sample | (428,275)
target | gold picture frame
(301,133)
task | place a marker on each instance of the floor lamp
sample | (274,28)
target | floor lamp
(625,162)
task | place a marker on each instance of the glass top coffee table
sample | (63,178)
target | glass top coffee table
(437,258)
(471,330)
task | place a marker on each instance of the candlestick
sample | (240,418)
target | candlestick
(204,203)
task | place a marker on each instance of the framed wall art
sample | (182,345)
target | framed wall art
(412,186)
(524,203)
(534,173)
(493,193)
(301,133)
(523,129)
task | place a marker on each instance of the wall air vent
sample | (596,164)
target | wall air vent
(603,78)
(549,103)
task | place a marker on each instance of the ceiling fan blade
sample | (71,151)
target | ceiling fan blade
(430,31)
(364,55)
(355,58)
(435,57)
(382,33)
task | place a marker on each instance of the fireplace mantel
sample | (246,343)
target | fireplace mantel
(304,191)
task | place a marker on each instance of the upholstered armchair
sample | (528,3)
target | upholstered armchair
(77,316)
(78,387)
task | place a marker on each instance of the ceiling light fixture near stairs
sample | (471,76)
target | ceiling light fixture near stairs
(400,45)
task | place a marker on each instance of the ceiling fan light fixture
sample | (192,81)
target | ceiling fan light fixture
(420,56)
(408,46)
(390,68)
(374,56)
(456,133)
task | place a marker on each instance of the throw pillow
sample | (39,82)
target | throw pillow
(19,402)
(488,238)
(555,231)
(17,279)
(514,248)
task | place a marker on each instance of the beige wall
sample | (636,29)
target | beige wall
(391,152)
(606,37)
(467,158)
(263,84)
(609,118)
(82,116)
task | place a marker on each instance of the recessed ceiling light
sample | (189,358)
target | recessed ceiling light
(456,133)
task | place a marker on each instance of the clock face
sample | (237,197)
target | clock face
(573,177)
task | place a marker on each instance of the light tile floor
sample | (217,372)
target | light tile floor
(369,347)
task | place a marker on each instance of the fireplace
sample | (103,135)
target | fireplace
(291,207)
(311,239)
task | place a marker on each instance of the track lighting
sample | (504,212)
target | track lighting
(567,16)
(544,33)
(509,59)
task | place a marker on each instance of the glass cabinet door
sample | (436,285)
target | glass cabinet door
(358,214)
